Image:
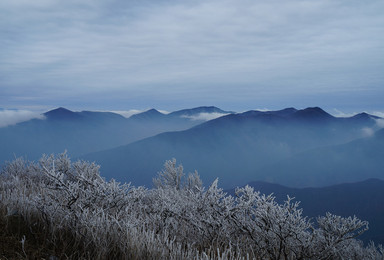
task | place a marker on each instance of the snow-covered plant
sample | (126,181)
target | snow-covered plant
(92,218)
(173,177)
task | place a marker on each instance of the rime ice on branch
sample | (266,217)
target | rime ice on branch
(179,218)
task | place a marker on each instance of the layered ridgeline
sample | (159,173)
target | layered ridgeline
(299,148)
(86,132)
(354,161)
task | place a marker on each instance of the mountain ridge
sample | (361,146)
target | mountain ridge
(243,143)
(351,161)
(81,132)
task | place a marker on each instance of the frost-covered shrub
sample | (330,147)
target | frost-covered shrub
(178,219)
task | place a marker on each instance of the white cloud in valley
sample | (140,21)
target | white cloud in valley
(380,122)
(367,132)
(205,116)
(12,117)
(128,113)
(338,113)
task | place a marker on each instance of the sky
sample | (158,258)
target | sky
(119,55)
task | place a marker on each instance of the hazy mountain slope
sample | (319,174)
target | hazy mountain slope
(363,199)
(175,121)
(198,110)
(85,132)
(234,147)
(151,114)
(354,161)
(78,132)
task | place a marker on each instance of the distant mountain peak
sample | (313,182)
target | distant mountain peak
(61,113)
(312,113)
(199,110)
(60,110)
(315,110)
(152,111)
(149,114)
(365,115)
(289,110)
(285,112)
(281,113)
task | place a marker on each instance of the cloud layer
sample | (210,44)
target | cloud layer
(128,113)
(163,51)
(12,117)
(205,116)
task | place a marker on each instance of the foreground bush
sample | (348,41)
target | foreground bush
(71,212)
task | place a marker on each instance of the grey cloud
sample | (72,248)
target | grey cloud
(227,47)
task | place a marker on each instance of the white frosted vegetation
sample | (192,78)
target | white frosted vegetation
(178,219)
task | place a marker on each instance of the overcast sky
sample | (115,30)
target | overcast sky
(234,54)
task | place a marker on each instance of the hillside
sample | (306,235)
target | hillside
(351,162)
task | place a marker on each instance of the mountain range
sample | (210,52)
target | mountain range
(85,132)
(248,146)
(293,147)
(357,160)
